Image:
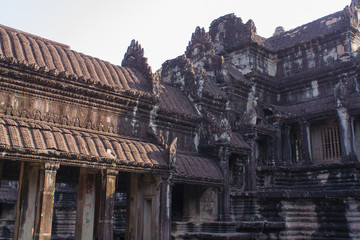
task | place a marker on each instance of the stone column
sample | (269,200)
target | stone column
(107,196)
(225,194)
(85,210)
(132,207)
(278,145)
(251,168)
(287,145)
(345,133)
(1,170)
(355,137)
(270,144)
(305,141)
(45,201)
(165,210)
(26,201)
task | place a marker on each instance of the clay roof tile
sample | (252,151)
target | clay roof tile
(197,168)
(79,144)
(45,53)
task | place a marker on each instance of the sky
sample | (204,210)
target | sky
(105,28)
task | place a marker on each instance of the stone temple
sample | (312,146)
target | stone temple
(242,137)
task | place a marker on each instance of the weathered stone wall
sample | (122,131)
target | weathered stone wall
(313,55)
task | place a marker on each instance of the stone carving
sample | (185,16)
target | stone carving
(229,33)
(51,166)
(53,118)
(343,89)
(208,203)
(172,152)
(134,58)
(157,138)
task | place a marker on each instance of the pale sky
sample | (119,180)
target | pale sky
(105,28)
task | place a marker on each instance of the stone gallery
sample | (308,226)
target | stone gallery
(242,137)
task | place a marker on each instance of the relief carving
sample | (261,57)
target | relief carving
(208,203)
(172,152)
(58,119)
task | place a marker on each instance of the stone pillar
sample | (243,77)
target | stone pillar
(305,142)
(356,137)
(251,168)
(1,170)
(106,207)
(270,144)
(286,145)
(225,194)
(26,201)
(278,146)
(132,207)
(45,201)
(85,210)
(165,210)
(345,133)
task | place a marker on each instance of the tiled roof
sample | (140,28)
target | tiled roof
(173,99)
(307,32)
(236,74)
(194,168)
(211,87)
(310,107)
(237,141)
(43,139)
(23,46)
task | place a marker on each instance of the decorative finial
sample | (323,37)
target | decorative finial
(200,42)
(134,58)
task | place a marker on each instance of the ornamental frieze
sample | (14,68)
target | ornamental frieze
(57,113)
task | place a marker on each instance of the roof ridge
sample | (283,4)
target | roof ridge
(51,42)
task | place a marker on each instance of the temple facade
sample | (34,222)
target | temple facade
(241,137)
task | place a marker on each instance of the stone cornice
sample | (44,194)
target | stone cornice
(323,74)
(53,79)
(103,163)
(41,82)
